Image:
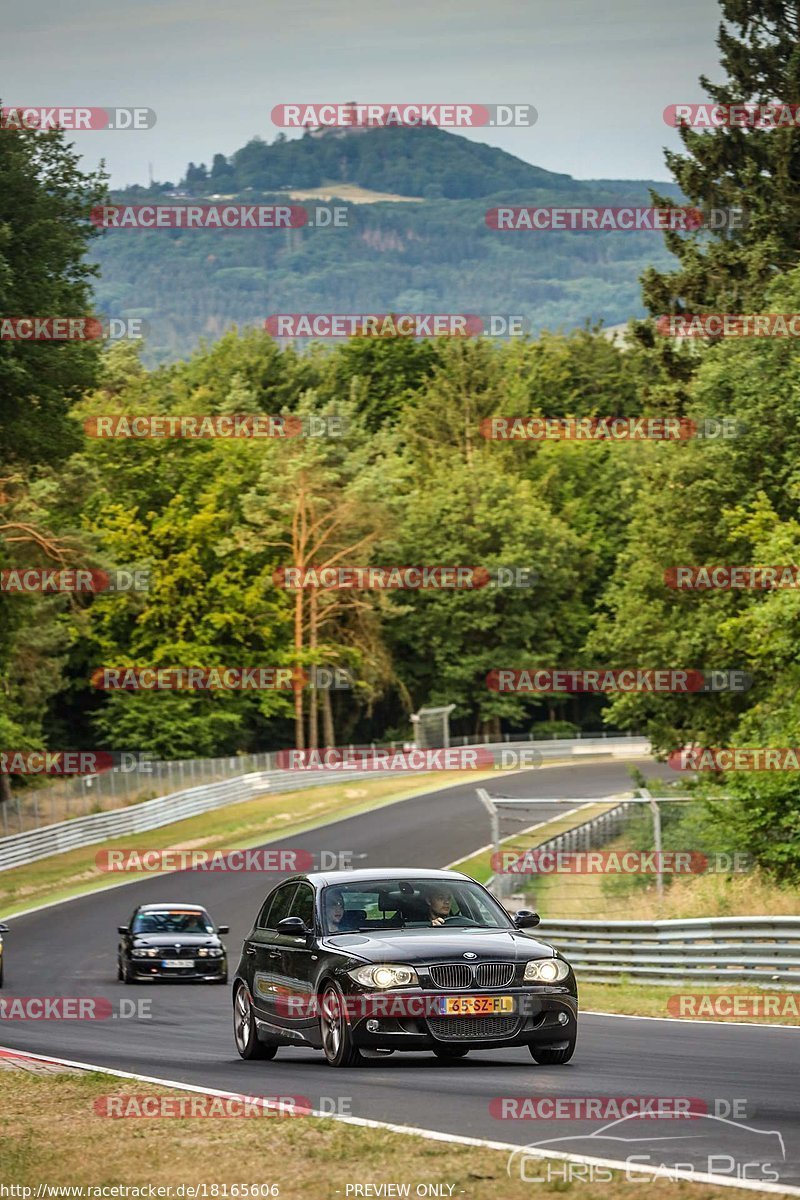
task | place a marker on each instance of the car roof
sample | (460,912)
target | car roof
(171,904)
(325,878)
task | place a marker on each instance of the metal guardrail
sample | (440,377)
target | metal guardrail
(21,848)
(79,796)
(756,950)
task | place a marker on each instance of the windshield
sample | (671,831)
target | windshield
(415,904)
(173,920)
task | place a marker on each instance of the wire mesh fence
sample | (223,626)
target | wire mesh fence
(49,801)
(629,853)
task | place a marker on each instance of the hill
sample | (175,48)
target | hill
(434,254)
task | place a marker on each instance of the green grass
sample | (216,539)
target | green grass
(652,1000)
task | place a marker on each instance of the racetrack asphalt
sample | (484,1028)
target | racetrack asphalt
(70,950)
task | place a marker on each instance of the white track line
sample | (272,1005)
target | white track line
(433,1134)
(591,1012)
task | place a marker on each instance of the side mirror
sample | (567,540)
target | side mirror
(223,929)
(122,929)
(293,927)
(526,918)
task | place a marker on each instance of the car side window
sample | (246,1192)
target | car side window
(303,904)
(281,906)
(261,920)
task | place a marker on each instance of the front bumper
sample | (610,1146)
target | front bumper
(202,969)
(542,1016)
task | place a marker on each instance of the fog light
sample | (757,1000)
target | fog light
(373,1026)
(562,1018)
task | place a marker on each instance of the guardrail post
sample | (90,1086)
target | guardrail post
(494,818)
(656,811)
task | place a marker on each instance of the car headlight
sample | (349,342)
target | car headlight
(546,970)
(386,975)
(210,952)
(144,952)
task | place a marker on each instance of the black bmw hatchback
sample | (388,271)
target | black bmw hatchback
(171,941)
(346,961)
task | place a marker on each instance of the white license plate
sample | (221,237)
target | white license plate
(177,962)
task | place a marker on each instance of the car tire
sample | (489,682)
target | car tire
(127,975)
(119,971)
(450,1052)
(337,1038)
(552,1056)
(244,1028)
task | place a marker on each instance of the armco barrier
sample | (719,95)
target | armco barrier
(733,950)
(21,848)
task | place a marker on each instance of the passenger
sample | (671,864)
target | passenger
(334,912)
(439,902)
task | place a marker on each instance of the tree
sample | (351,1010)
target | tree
(44,235)
(44,238)
(196,176)
(757,170)
(314,507)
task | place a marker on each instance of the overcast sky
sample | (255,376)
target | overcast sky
(599,72)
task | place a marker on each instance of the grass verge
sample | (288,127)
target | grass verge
(650,1000)
(50,1133)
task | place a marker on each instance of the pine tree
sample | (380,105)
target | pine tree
(757,170)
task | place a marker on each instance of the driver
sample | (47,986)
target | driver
(334,911)
(439,904)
